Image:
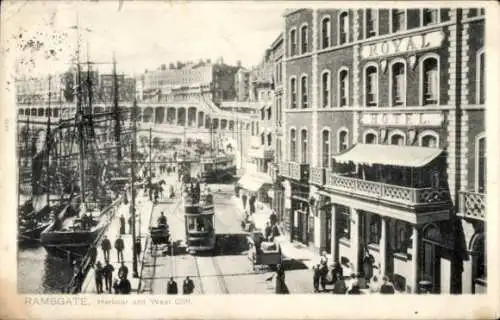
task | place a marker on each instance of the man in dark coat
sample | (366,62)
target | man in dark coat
(137,247)
(123,271)
(93,254)
(386,288)
(316,277)
(108,275)
(162,220)
(98,274)
(244,201)
(267,231)
(251,204)
(106,247)
(119,246)
(273,218)
(130,224)
(172,286)
(122,224)
(187,286)
(124,286)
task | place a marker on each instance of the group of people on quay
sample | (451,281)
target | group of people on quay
(355,283)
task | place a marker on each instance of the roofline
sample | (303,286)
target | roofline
(285,14)
(276,41)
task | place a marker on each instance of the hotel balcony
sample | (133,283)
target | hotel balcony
(296,171)
(472,205)
(261,152)
(387,192)
(317,176)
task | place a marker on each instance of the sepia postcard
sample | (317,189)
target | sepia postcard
(249,160)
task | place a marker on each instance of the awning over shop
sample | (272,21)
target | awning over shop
(390,155)
(254,181)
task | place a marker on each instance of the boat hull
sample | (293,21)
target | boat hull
(62,243)
(31,235)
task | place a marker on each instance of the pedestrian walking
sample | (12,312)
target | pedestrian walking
(187,286)
(130,224)
(316,277)
(172,286)
(337,272)
(339,287)
(251,204)
(137,247)
(267,231)
(98,275)
(123,271)
(368,261)
(323,269)
(375,285)
(119,246)
(244,201)
(386,287)
(273,218)
(106,247)
(280,287)
(122,224)
(108,275)
(122,286)
(79,280)
(162,220)
(93,254)
(354,288)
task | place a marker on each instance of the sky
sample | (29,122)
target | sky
(143,34)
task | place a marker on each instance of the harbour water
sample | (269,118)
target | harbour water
(41,273)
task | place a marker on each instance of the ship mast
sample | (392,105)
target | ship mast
(116,112)
(48,146)
(80,119)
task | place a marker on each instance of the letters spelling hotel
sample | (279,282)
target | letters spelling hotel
(383,142)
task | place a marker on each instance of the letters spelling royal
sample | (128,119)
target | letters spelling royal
(402,45)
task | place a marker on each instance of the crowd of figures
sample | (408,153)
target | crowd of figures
(352,284)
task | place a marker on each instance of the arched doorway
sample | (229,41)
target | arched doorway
(159,115)
(148,115)
(479,266)
(181,117)
(201,116)
(171,115)
(192,117)
(430,257)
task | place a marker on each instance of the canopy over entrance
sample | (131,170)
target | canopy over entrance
(254,181)
(389,155)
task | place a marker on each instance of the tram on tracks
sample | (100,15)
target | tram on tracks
(199,222)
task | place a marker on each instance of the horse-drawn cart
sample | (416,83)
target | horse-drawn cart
(160,235)
(263,253)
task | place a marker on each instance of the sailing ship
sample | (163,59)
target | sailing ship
(85,216)
(35,181)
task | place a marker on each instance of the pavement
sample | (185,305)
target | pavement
(298,258)
(144,207)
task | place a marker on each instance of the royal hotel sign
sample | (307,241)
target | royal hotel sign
(406,45)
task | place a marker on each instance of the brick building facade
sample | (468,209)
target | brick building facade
(383,115)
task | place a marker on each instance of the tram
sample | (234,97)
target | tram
(199,223)
(217,168)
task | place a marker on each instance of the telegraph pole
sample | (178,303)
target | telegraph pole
(150,152)
(132,187)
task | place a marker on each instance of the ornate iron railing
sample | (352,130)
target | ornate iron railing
(394,193)
(317,176)
(299,171)
(472,204)
(284,169)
